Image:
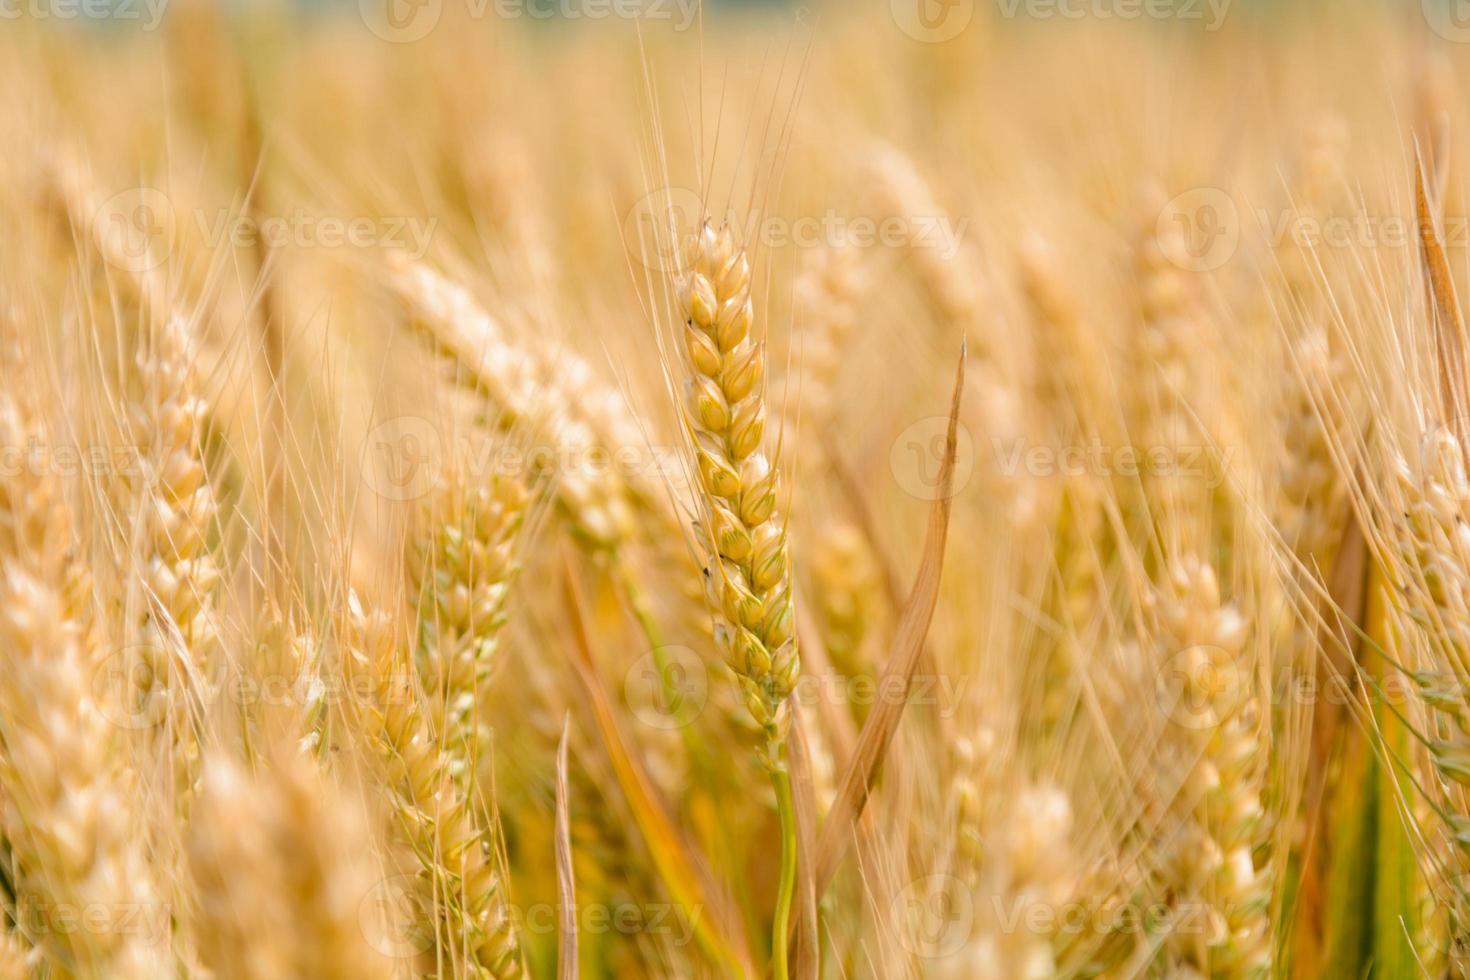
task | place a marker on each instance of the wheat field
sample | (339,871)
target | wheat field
(610,488)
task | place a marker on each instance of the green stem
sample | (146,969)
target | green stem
(781,779)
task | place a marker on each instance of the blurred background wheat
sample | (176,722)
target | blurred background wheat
(497,488)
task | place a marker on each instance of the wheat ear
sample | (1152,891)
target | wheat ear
(465,567)
(593,499)
(826,295)
(461,902)
(847,593)
(280,869)
(1431,558)
(749,576)
(1213,740)
(172,510)
(64,794)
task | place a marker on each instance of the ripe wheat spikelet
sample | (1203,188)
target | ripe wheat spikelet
(1213,739)
(1173,327)
(749,574)
(947,268)
(459,891)
(1432,555)
(289,663)
(1312,491)
(1029,865)
(464,569)
(1319,191)
(593,499)
(134,277)
(826,294)
(847,593)
(13,958)
(65,811)
(280,867)
(171,513)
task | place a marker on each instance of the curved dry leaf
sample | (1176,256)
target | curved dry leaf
(908,643)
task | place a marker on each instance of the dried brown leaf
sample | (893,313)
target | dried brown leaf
(903,657)
(566,879)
